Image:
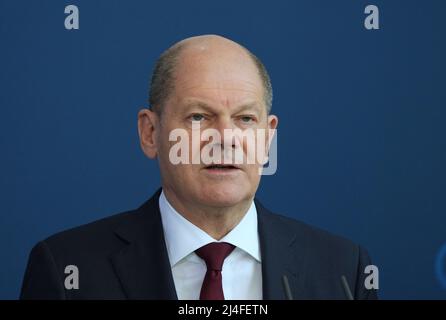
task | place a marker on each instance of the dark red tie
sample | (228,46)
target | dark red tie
(213,254)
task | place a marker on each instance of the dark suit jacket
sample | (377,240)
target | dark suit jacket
(125,257)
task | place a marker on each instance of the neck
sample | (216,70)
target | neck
(215,221)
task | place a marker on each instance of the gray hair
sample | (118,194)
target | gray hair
(163,78)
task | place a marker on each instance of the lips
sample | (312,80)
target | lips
(221,167)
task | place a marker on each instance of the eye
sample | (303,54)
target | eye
(247,119)
(197,117)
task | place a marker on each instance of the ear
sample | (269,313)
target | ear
(273,121)
(148,129)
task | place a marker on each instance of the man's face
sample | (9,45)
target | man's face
(217,89)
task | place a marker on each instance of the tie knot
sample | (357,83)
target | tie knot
(214,254)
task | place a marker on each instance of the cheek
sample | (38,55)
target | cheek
(254,149)
(252,173)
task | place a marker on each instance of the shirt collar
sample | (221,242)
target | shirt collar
(183,237)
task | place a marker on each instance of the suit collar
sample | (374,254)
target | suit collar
(143,265)
(279,242)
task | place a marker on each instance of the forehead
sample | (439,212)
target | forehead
(220,76)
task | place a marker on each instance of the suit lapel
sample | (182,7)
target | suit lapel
(278,245)
(143,266)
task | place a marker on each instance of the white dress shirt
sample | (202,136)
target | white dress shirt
(242,269)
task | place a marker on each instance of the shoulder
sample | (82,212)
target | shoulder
(314,236)
(91,233)
(321,248)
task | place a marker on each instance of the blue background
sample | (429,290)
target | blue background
(361,136)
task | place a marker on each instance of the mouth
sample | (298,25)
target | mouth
(221,168)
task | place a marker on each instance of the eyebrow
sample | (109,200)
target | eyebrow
(205,106)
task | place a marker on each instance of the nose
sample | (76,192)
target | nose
(225,127)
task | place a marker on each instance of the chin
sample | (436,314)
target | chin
(224,197)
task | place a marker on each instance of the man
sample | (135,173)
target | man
(203,235)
